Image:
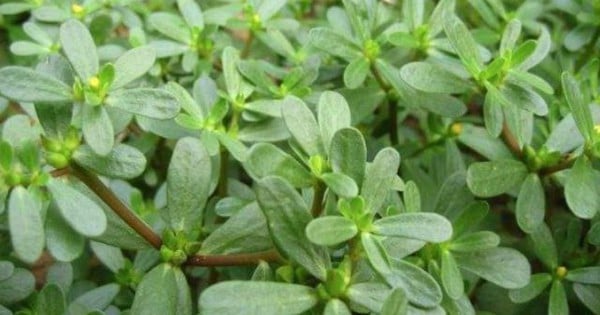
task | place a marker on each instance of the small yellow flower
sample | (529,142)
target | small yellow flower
(561,272)
(597,129)
(77,9)
(456,128)
(94,82)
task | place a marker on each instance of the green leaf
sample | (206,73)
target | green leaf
(531,204)
(340,184)
(244,232)
(579,108)
(538,283)
(188,184)
(395,304)
(558,304)
(369,295)
(26,85)
(356,72)
(586,275)
(379,178)
(475,241)
(589,295)
(256,298)
(420,287)
(544,246)
(184,298)
(233,80)
(152,103)
(336,307)
(522,78)
(463,43)
(334,43)
(302,125)
(265,159)
(451,276)
(132,65)
(511,34)
(62,241)
(6,155)
(123,161)
(492,112)
(488,179)
(504,267)
(581,189)
(78,45)
(288,216)
(16,288)
(431,78)
(412,197)
(333,115)
(348,154)
(110,256)
(171,25)
(25,223)
(97,129)
(330,230)
(483,143)
(7,268)
(84,215)
(98,298)
(430,227)
(51,300)
(191,13)
(156,293)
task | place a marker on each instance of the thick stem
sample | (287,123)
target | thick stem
(234,260)
(223,168)
(97,186)
(247,45)
(511,142)
(317,203)
(565,164)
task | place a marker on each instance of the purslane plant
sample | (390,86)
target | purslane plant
(300,157)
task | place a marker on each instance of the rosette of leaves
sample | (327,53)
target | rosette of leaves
(188,35)
(92,89)
(512,93)
(566,271)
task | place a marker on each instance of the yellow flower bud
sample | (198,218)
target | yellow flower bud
(561,271)
(94,82)
(456,128)
(77,9)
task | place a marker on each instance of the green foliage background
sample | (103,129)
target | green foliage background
(299,157)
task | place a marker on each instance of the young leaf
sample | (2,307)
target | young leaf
(538,283)
(475,241)
(336,307)
(123,161)
(333,115)
(431,78)
(379,177)
(51,300)
(191,13)
(79,47)
(302,125)
(579,108)
(188,184)
(157,293)
(265,159)
(330,230)
(348,154)
(171,25)
(463,43)
(334,43)
(132,65)
(288,216)
(97,129)
(356,72)
(488,179)
(152,103)
(256,298)
(451,276)
(531,207)
(505,267)
(430,227)
(26,85)
(340,184)
(84,215)
(581,189)
(587,275)
(25,223)
(558,299)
